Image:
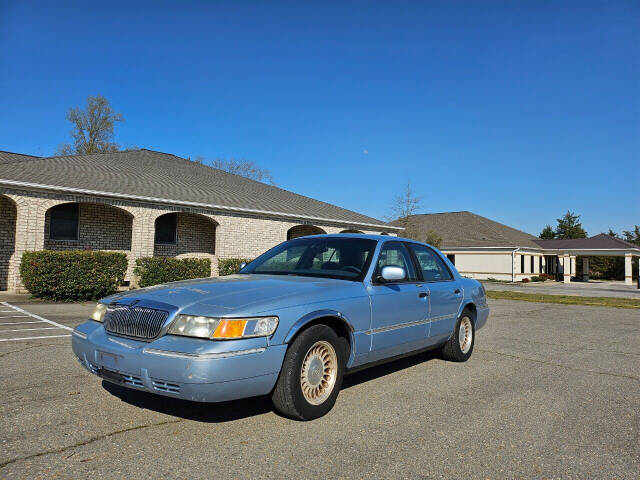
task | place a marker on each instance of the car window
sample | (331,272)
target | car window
(395,254)
(344,258)
(433,268)
(285,260)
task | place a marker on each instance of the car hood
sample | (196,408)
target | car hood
(241,294)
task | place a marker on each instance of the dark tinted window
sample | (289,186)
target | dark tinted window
(343,258)
(395,254)
(521,263)
(433,268)
(166,228)
(64,222)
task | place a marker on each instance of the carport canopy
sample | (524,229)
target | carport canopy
(598,245)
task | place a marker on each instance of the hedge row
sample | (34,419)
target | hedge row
(155,270)
(72,275)
(229,266)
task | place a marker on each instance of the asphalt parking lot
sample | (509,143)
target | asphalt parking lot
(551,391)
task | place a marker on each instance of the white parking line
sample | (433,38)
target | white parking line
(31,338)
(38,319)
(19,323)
(29,329)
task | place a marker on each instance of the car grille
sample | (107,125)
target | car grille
(136,322)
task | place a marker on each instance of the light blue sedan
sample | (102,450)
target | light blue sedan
(290,324)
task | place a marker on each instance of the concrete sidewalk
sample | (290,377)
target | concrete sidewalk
(581,289)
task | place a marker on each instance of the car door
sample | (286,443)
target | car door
(445,292)
(399,310)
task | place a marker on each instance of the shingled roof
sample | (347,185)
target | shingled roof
(149,175)
(466,229)
(9,157)
(598,242)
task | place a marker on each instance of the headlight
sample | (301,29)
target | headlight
(98,312)
(223,328)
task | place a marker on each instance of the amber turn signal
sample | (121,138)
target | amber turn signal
(230,329)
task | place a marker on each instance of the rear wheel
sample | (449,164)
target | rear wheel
(311,374)
(460,346)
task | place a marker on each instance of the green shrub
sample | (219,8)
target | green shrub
(538,279)
(155,270)
(72,275)
(229,266)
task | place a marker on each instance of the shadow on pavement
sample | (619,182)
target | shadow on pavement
(200,412)
(248,407)
(387,368)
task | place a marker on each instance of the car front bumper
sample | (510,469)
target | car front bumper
(181,367)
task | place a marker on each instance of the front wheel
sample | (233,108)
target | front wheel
(311,374)
(460,345)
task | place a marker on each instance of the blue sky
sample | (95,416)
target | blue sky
(514,110)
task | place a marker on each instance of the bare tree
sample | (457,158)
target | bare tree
(405,205)
(244,168)
(92,130)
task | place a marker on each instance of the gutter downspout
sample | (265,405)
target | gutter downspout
(513,261)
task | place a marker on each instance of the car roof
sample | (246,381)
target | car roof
(364,235)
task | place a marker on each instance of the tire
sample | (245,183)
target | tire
(311,374)
(453,350)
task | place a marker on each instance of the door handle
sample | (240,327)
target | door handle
(423,294)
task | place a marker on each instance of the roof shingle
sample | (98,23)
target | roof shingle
(466,229)
(146,173)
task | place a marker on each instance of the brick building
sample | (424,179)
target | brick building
(148,203)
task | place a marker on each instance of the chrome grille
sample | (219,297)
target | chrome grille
(137,322)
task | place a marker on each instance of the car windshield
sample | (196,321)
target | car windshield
(331,257)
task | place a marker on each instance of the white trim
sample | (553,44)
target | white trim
(191,204)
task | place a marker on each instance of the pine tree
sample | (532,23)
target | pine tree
(569,226)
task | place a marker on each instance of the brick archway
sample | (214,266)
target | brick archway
(100,227)
(303,231)
(195,235)
(8,215)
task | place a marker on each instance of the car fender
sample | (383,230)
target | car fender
(311,316)
(465,303)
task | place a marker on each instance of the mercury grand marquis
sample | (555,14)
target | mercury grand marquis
(290,324)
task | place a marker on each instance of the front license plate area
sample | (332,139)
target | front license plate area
(108,360)
(110,375)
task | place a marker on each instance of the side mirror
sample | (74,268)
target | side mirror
(392,274)
(242,265)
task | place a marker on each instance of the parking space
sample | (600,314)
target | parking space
(551,391)
(18,324)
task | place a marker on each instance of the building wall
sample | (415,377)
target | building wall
(130,227)
(483,265)
(7,238)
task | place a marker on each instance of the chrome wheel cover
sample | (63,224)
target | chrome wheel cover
(465,334)
(319,372)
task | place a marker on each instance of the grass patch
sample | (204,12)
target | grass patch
(565,299)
